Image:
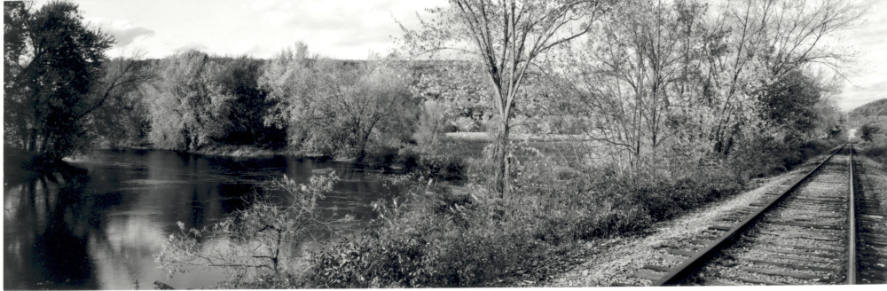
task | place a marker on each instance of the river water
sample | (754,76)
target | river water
(101,225)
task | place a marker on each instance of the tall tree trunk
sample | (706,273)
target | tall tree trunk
(362,146)
(502,157)
(32,140)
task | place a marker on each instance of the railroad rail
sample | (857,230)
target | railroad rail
(871,223)
(804,221)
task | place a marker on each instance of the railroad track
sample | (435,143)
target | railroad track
(804,235)
(871,208)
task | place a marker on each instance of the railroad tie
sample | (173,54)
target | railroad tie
(780,273)
(648,274)
(678,252)
(789,265)
(754,281)
(657,268)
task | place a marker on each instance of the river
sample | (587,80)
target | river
(100,226)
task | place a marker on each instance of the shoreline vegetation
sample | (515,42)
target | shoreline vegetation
(462,235)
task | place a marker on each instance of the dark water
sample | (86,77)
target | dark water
(101,226)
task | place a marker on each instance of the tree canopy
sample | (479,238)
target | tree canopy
(53,63)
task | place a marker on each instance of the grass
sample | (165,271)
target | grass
(465,236)
(459,236)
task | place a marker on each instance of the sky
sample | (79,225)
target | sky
(356,29)
(349,29)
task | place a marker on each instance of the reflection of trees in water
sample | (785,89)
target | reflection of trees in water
(46,225)
(67,230)
(101,229)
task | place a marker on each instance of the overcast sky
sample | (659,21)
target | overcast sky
(355,28)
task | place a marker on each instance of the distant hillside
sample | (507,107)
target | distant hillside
(877,108)
(874,113)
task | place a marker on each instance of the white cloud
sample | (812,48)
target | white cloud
(123,31)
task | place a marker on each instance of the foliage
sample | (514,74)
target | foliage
(874,109)
(871,119)
(788,104)
(337,107)
(430,246)
(868,131)
(292,85)
(431,127)
(180,115)
(245,106)
(507,38)
(660,78)
(53,65)
(457,86)
(199,101)
(255,243)
(468,236)
(124,103)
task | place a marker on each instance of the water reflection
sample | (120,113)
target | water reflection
(98,225)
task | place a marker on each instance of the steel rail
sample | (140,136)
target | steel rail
(681,272)
(851,232)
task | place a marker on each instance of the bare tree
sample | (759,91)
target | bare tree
(630,82)
(507,37)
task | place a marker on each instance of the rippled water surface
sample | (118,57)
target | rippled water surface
(100,225)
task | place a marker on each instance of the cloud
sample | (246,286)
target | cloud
(123,31)
(857,95)
(126,36)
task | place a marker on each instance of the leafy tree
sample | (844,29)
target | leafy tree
(244,105)
(122,118)
(358,101)
(53,64)
(788,105)
(458,86)
(185,113)
(291,83)
(338,107)
(868,131)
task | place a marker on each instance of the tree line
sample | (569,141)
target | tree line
(654,80)
(292,102)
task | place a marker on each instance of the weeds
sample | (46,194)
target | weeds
(255,244)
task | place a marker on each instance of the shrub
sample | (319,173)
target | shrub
(448,168)
(448,239)
(254,243)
